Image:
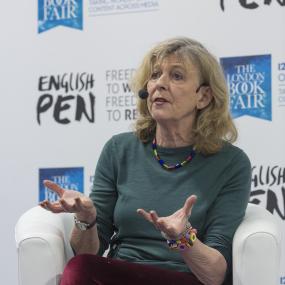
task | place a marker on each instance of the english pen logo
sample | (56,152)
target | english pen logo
(268,185)
(68,97)
(249,85)
(53,13)
(249,4)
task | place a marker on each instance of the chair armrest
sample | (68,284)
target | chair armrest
(42,240)
(256,248)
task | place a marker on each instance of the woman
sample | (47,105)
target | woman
(168,197)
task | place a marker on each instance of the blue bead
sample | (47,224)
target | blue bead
(161,161)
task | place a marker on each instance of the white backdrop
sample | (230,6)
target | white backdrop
(114,36)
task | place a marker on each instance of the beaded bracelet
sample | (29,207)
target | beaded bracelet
(185,240)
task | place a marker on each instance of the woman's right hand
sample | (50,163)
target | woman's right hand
(69,201)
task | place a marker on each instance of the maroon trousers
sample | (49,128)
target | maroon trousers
(88,269)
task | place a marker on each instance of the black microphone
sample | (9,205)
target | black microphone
(143,94)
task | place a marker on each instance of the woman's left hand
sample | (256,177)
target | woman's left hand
(174,224)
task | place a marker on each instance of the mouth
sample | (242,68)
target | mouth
(159,100)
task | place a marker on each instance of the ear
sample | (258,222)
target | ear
(205,96)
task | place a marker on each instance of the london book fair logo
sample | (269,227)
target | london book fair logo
(249,85)
(252,5)
(68,178)
(65,98)
(53,13)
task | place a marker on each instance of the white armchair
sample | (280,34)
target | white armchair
(42,240)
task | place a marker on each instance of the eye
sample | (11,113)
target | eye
(155,75)
(177,75)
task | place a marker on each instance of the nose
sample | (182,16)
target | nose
(162,82)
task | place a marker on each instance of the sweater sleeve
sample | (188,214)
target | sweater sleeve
(228,209)
(104,194)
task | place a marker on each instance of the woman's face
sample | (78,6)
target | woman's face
(172,92)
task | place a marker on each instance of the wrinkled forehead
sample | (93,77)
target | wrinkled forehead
(177,58)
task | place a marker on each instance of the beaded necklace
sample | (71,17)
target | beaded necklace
(171,166)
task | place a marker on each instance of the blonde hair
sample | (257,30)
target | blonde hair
(213,125)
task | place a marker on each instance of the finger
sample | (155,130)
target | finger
(154,217)
(144,214)
(42,204)
(67,207)
(189,203)
(54,187)
(53,207)
(79,205)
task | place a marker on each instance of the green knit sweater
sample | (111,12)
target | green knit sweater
(129,177)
